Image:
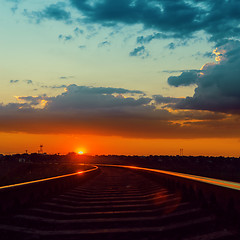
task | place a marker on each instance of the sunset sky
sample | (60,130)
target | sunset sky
(120,77)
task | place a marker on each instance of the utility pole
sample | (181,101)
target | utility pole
(181,151)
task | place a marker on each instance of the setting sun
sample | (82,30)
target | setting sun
(80,152)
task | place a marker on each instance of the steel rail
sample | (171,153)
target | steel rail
(214,181)
(218,194)
(19,194)
(49,179)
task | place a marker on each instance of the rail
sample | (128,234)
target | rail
(219,195)
(20,194)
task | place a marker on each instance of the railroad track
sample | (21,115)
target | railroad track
(118,203)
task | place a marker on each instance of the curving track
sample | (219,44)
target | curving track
(116,204)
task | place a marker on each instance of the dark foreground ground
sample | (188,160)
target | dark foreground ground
(118,204)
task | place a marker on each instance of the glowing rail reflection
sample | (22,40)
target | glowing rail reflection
(213,181)
(51,178)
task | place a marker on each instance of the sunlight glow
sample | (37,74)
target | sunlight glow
(219,54)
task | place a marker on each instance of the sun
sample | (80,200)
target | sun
(80,150)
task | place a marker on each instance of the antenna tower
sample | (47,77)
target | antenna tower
(181,151)
(41,149)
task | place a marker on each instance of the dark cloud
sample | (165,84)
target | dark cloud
(101,90)
(78,31)
(185,79)
(171,46)
(54,86)
(66,77)
(82,46)
(178,19)
(104,44)
(65,37)
(168,16)
(82,97)
(160,99)
(139,52)
(51,12)
(28,81)
(171,19)
(109,111)
(32,101)
(222,20)
(14,81)
(174,45)
(181,71)
(149,38)
(217,85)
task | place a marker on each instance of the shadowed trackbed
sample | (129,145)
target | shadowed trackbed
(116,204)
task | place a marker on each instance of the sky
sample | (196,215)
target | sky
(134,77)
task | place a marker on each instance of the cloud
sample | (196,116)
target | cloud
(28,81)
(139,52)
(222,26)
(51,12)
(110,111)
(181,70)
(185,79)
(160,99)
(32,100)
(66,77)
(151,14)
(82,97)
(217,84)
(82,46)
(65,38)
(102,90)
(54,86)
(149,38)
(176,19)
(171,46)
(78,31)
(14,81)
(104,44)
(167,19)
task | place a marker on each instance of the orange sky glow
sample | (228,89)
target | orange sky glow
(96,145)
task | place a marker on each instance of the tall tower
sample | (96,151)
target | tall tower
(41,149)
(181,151)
